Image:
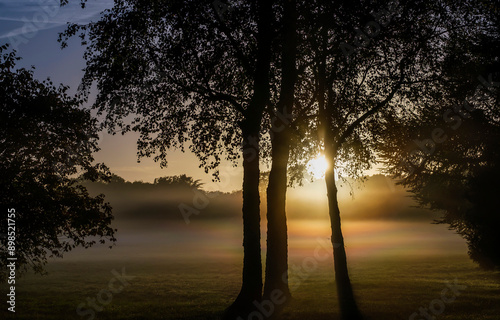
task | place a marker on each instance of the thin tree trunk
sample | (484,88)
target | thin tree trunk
(277,241)
(348,307)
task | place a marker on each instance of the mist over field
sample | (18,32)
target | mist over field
(379,198)
(186,223)
(192,270)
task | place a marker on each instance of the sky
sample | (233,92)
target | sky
(32,27)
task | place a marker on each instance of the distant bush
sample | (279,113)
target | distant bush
(179,181)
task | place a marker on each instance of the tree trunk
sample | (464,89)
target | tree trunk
(348,307)
(251,290)
(277,241)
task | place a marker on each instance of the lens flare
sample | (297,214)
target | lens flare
(317,167)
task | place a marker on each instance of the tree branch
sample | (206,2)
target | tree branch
(373,110)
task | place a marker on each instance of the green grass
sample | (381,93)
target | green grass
(163,288)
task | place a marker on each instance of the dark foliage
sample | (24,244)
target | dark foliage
(46,140)
(447,150)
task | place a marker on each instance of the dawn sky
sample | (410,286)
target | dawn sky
(38,47)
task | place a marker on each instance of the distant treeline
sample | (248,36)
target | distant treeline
(377,198)
(162,198)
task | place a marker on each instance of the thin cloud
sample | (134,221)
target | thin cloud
(21,31)
(26,12)
(11,19)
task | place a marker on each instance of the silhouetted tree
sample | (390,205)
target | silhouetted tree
(195,71)
(188,70)
(276,277)
(116,179)
(447,154)
(179,181)
(369,60)
(46,140)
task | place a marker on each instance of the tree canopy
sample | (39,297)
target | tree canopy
(46,142)
(446,152)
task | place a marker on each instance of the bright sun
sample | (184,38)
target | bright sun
(317,167)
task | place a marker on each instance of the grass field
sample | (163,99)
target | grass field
(181,282)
